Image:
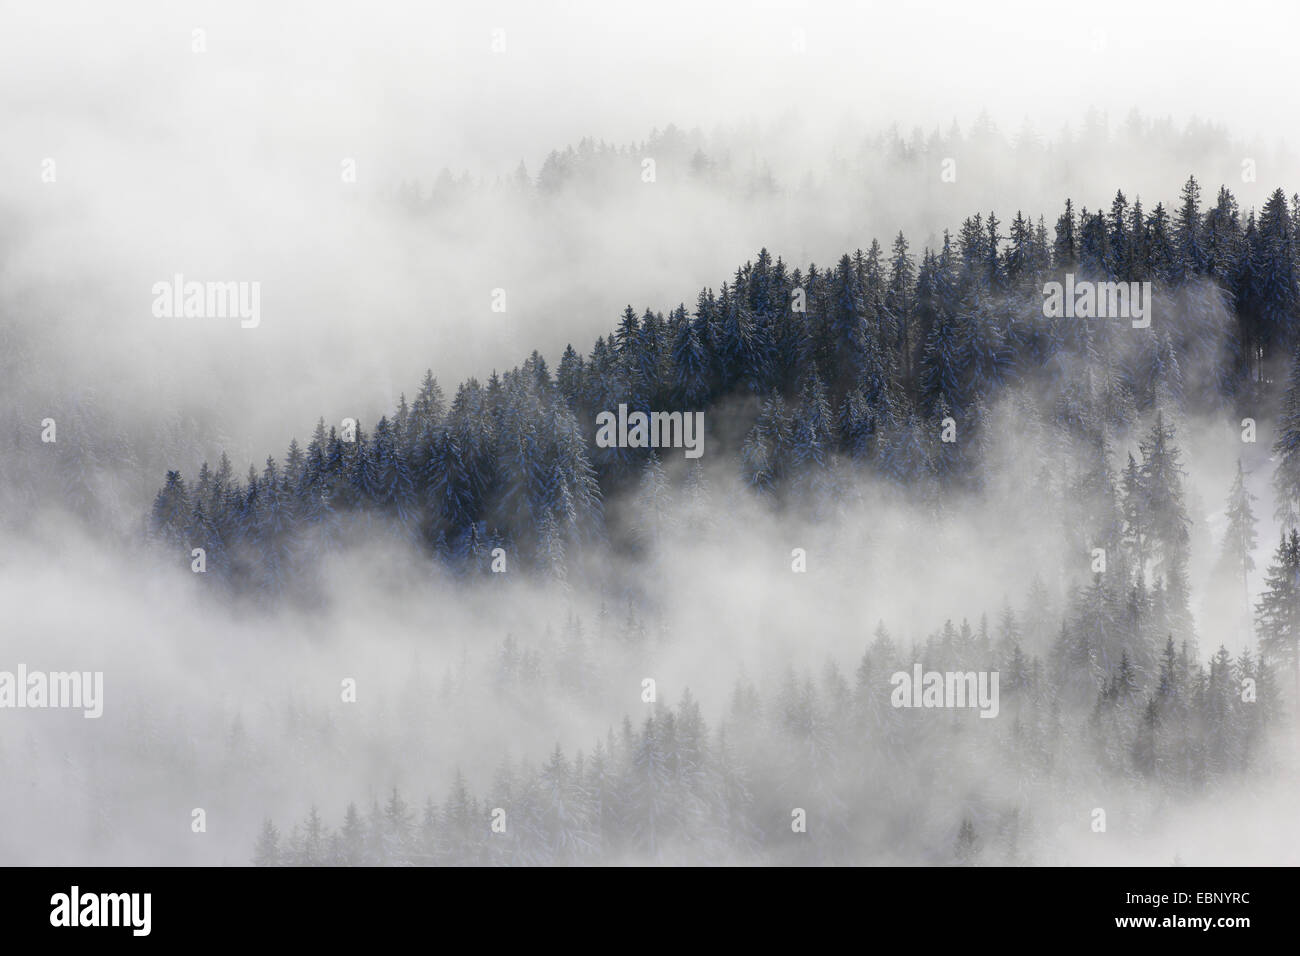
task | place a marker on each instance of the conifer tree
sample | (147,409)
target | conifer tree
(1277,613)
(1239,539)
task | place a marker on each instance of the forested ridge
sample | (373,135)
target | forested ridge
(1106,685)
(886,348)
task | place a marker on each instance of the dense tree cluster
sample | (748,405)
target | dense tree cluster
(860,364)
(506,462)
(675,790)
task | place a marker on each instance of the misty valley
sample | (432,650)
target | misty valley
(943,386)
(977,543)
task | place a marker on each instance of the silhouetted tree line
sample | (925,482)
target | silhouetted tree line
(860,364)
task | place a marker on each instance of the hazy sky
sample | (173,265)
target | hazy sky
(225,164)
(401,82)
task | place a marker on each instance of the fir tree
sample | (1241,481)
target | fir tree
(1239,539)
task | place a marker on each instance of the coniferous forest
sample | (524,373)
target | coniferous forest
(572,434)
(833,385)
